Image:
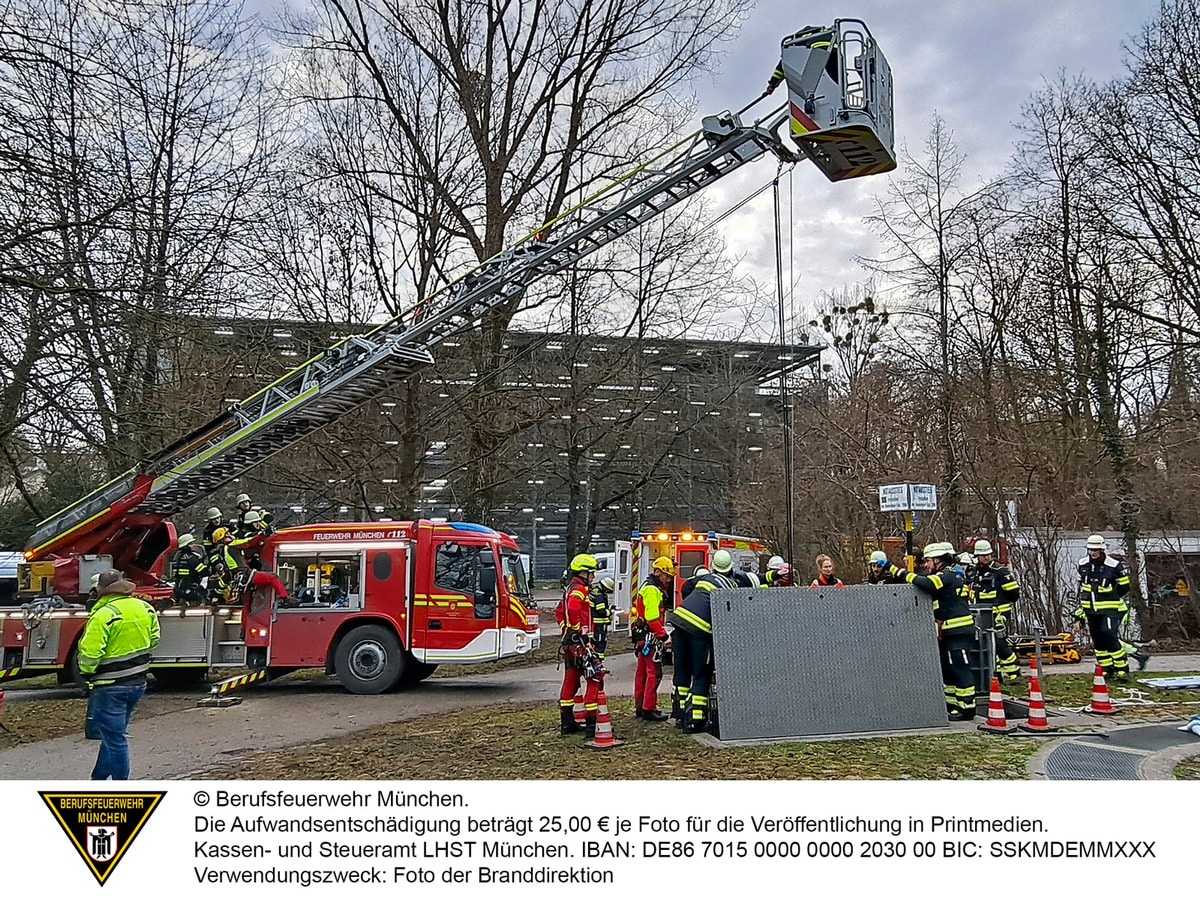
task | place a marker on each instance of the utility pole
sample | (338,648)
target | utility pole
(784,395)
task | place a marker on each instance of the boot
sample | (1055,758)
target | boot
(568,725)
(1142,658)
(653,715)
(589,728)
(694,726)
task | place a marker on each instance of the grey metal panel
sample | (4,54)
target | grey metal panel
(1084,762)
(184,639)
(794,662)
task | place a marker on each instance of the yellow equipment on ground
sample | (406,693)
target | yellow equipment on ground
(1058,648)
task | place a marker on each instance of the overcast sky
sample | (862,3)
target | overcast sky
(973,63)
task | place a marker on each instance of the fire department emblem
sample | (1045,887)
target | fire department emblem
(102,826)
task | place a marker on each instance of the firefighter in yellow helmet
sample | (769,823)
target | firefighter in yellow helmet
(647,627)
(223,568)
(582,663)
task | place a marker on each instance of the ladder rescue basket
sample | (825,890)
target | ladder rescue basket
(839,99)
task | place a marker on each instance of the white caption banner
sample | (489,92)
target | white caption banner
(532,839)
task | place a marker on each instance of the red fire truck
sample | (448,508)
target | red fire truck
(379,605)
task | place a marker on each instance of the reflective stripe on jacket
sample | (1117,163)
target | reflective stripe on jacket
(694,615)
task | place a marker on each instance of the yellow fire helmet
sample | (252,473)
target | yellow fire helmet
(584,562)
(663,564)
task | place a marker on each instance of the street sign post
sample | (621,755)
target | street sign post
(907,498)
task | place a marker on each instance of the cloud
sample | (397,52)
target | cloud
(974,64)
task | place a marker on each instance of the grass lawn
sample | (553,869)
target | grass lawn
(1189,769)
(503,742)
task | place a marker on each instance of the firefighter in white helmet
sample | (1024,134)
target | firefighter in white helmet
(213,521)
(1103,584)
(877,564)
(245,508)
(692,645)
(996,587)
(955,624)
(600,597)
(774,564)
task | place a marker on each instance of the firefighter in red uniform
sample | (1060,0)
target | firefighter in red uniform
(647,627)
(579,654)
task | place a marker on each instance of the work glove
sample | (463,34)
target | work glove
(1080,614)
(1000,621)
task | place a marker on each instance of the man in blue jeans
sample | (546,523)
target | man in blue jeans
(114,657)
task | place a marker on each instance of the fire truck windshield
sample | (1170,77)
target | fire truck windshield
(514,577)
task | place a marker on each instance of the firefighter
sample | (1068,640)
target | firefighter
(214,522)
(784,577)
(191,568)
(956,626)
(223,568)
(579,655)
(647,628)
(1132,651)
(690,585)
(825,576)
(995,586)
(692,646)
(600,599)
(774,564)
(877,569)
(249,537)
(244,504)
(1103,584)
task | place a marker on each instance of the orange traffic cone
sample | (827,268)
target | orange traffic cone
(1101,704)
(996,720)
(605,739)
(1037,721)
(579,712)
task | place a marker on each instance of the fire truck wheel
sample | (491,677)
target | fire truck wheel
(415,672)
(70,674)
(369,660)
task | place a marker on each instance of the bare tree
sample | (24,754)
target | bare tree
(538,99)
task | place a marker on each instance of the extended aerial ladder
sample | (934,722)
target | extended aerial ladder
(840,115)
